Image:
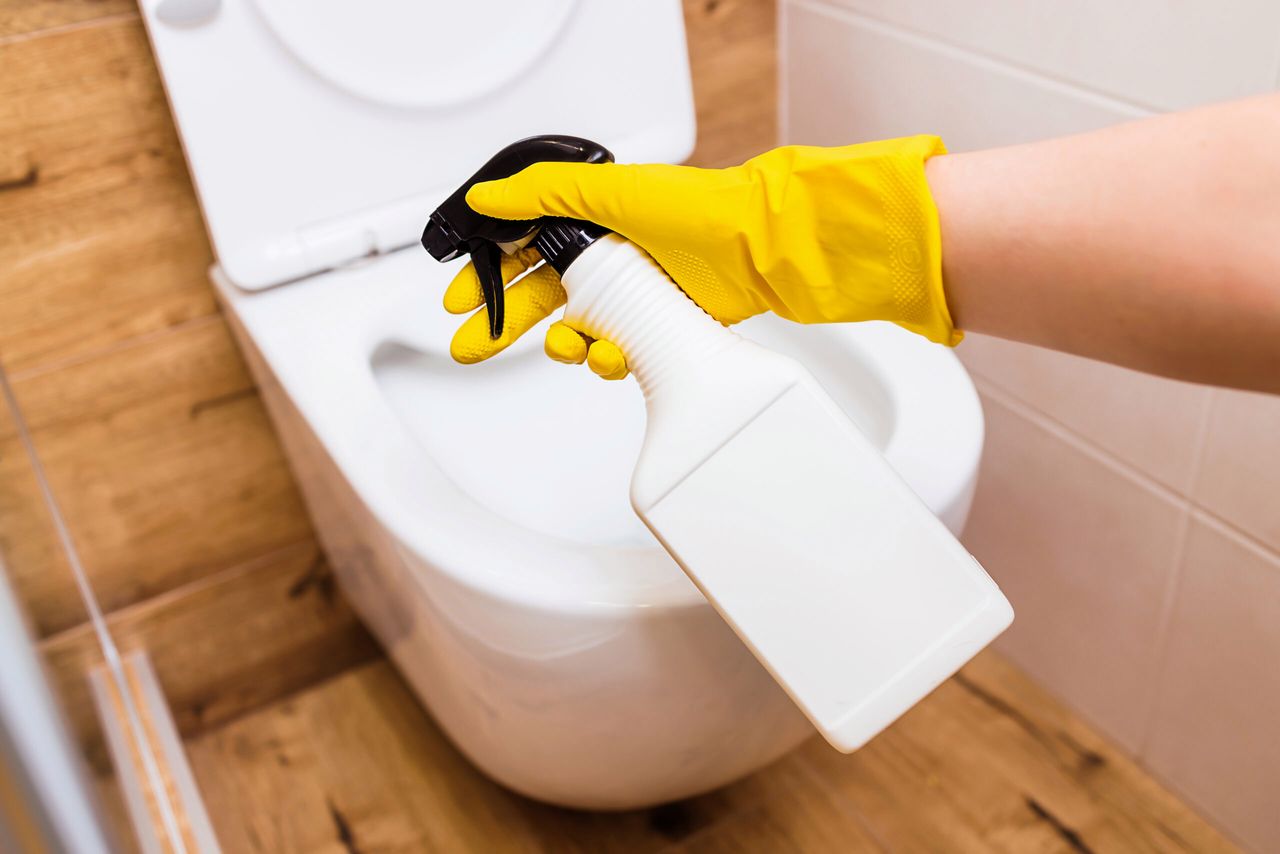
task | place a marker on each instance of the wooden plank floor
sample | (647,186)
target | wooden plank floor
(987,763)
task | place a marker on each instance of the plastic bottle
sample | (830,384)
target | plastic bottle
(840,580)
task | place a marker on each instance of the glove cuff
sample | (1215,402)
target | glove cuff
(914,241)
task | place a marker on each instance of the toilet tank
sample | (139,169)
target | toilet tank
(320,132)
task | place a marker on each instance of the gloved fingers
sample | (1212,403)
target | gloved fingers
(614,195)
(606,360)
(566,344)
(527,302)
(464,293)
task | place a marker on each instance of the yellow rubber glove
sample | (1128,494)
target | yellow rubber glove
(816,235)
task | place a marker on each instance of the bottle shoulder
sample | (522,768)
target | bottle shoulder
(693,415)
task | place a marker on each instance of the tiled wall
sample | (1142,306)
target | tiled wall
(1133,521)
(149,428)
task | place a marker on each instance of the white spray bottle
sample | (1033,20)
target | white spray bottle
(840,580)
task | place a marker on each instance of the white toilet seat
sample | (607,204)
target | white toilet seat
(321,342)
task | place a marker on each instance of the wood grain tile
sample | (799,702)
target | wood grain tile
(164,463)
(98,223)
(100,235)
(989,762)
(800,815)
(224,645)
(733,59)
(33,558)
(25,17)
(356,764)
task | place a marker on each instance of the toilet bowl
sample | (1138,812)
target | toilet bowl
(477,517)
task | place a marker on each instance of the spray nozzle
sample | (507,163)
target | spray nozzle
(455,229)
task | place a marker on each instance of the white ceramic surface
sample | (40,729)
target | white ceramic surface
(320,132)
(477,518)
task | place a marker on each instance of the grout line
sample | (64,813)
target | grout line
(59,29)
(163,600)
(1089,447)
(90,600)
(982,59)
(1189,510)
(112,348)
(1241,538)
(1080,443)
(1173,585)
(166,598)
(1164,625)
(381,657)
(1199,450)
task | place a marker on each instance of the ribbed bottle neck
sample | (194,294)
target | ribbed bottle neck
(618,293)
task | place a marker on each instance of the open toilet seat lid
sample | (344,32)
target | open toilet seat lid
(320,132)
(374,49)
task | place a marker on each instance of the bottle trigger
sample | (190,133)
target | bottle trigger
(455,229)
(487,258)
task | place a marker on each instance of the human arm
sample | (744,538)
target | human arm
(1153,244)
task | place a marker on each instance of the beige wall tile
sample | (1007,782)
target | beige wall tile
(845,81)
(1091,470)
(1084,553)
(1169,55)
(1240,475)
(1154,424)
(1213,733)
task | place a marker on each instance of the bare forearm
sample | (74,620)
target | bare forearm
(1154,244)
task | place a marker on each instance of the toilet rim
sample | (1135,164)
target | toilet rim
(324,363)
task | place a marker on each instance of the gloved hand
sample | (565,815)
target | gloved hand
(816,235)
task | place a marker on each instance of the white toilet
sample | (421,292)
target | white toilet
(477,517)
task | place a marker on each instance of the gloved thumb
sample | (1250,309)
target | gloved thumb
(590,191)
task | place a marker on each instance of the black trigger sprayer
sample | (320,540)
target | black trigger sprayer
(455,229)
